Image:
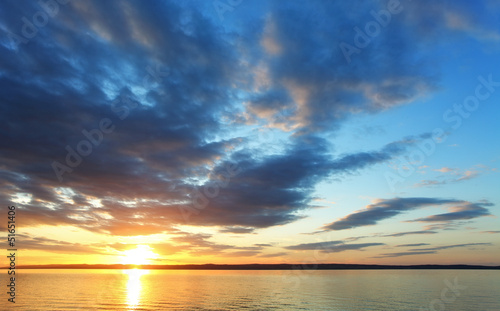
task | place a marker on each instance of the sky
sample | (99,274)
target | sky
(237,131)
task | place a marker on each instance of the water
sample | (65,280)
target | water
(254,290)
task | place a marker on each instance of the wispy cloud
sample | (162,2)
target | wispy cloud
(331,246)
(412,245)
(427,251)
(273,255)
(436,248)
(57,246)
(399,234)
(454,175)
(400,254)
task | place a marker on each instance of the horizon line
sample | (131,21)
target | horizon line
(284,266)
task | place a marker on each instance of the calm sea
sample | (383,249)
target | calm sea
(457,290)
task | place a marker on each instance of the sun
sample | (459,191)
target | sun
(141,255)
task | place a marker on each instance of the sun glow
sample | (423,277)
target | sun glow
(141,255)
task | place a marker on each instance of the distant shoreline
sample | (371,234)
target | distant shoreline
(263,267)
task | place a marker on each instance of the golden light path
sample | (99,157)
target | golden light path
(141,255)
(134,286)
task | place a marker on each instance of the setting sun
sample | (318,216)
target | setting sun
(141,255)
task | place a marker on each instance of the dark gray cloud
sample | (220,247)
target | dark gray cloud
(273,190)
(178,89)
(80,79)
(388,208)
(461,212)
(237,230)
(383,209)
(332,87)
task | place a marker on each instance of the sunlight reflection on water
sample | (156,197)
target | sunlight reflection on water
(134,286)
(335,290)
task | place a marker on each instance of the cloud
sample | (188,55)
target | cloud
(331,246)
(273,255)
(457,175)
(450,246)
(445,170)
(314,246)
(383,209)
(236,230)
(431,19)
(181,92)
(400,254)
(57,246)
(197,244)
(241,254)
(412,245)
(429,250)
(455,225)
(463,22)
(387,208)
(399,234)
(465,210)
(266,191)
(166,249)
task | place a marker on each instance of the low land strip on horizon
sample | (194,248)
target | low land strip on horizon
(258,267)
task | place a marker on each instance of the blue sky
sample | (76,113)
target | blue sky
(252,131)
